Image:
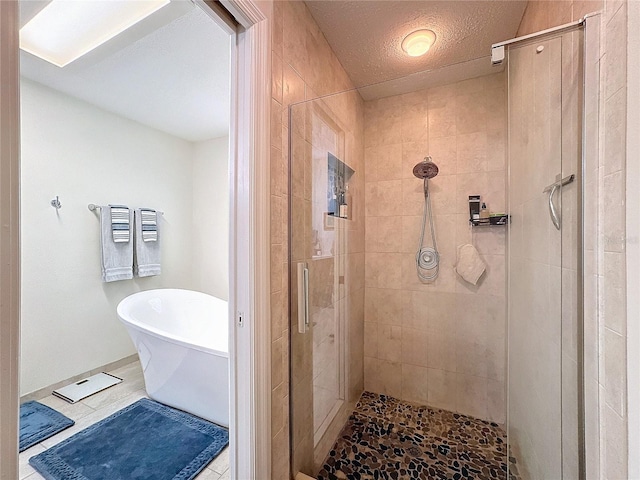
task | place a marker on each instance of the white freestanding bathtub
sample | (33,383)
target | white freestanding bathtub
(182,340)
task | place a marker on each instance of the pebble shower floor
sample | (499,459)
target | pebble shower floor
(386,438)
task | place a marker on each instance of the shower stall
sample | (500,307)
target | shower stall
(364,317)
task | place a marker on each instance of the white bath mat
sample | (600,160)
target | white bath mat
(84,388)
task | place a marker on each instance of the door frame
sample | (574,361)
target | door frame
(250,359)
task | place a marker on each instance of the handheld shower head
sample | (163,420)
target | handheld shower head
(426,169)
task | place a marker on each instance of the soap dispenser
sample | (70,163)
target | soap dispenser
(484,214)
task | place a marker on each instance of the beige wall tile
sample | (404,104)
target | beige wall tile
(615,133)
(415,347)
(389,126)
(370,339)
(472,152)
(442,389)
(490,241)
(295,36)
(615,68)
(412,199)
(382,198)
(277,361)
(417,97)
(385,234)
(279,408)
(276,76)
(442,352)
(277,315)
(384,377)
(277,257)
(444,153)
(414,123)
(443,195)
(496,404)
(276,172)
(276,129)
(496,150)
(614,371)
(387,161)
(613,221)
(471,112)
(383,305)
(277,215)
(470,86)
(438,97)
(442,313)
(280,463)
(411,225)
(383,270)
(471,356)
(415,308)
(615,434)
(471,395)
(442,117)
(277,40)
(389,343)
(614,298)
(415,384)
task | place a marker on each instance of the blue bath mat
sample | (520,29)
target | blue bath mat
(39,422)
(144,441)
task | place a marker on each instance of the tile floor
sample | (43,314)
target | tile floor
(101,405)
(386,438)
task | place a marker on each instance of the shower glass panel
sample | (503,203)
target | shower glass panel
(326,258)
(545,78)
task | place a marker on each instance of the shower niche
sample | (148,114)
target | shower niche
(338,196)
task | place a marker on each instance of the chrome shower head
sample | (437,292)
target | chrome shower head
(425,169)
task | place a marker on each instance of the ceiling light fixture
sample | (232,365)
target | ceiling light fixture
(418,43)
(64,30)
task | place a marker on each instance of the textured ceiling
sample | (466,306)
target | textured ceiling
(170,72)
(366,35)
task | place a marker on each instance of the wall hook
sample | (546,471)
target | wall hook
(55,203)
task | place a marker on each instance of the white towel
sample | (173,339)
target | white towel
(117,258)
(147,257)
(470,266)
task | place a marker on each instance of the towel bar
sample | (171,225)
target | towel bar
(93,207)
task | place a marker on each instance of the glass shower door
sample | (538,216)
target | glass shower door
(323,271)
(544,334)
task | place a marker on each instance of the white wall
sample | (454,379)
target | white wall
(86,155)
(211,217)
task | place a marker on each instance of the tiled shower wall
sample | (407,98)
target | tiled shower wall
(303,67)
(605,237)
(440,343)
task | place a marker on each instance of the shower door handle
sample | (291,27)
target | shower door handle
(552,189)
(552,208)
(303,297)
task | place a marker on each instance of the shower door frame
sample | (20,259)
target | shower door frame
(250,430)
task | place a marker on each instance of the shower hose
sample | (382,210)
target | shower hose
(427,258)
